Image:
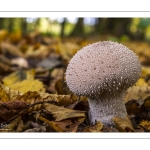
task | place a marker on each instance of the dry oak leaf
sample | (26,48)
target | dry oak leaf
(7,48)
(4,68)
(68,49)
(39,53)
(137,93)
(146,124)
(30,97)
(64,125)
(11,126)
(94,128)
(123,124)
(11,108)
(61,113)
(8,94)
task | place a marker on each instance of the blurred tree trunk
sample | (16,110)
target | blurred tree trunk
(98,25)
(112,26)
(118,26)
(1,23)
(23,26)
(63,27)
(79,28)
(10,24)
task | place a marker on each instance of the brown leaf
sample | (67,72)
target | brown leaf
(123,124)
(32,97)
(11,126)
(137,93)
(4,96)
(56,74)
(61,113)
(64,125)
(10,49)
(95,128)
(11,108)
(20,126)
(133,107)
(4,68)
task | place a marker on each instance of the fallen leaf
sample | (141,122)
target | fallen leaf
(28,85)
(61,113)
(141,82)
(64,125)
(11,126)
(68,49)
(94,128)
(39,53)
(32,97)
(5,60)
(145,124)
(145,71)
(133,107)
(3,95)
(13,51)
(11,108)
(4,68)
(123,124)
(137,93)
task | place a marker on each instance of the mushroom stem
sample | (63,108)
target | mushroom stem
(105,108)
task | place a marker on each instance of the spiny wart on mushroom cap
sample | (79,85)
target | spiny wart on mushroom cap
(102,70)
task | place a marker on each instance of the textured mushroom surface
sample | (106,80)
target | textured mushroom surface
(103,70)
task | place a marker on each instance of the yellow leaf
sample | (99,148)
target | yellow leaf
(145,71)
(146,124)
(28,85)
(123,124)
(18,76)
(42,52)
(68,49)
(141,82)
(12,94)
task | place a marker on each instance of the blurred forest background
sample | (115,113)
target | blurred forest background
(67,35)
(125,28)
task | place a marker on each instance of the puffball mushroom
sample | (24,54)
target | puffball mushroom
(103,71)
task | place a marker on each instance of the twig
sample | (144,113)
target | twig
(20,113)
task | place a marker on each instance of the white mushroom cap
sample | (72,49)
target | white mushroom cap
(102,67)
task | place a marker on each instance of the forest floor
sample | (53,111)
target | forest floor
(34,96)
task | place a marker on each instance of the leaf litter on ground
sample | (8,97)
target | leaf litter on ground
(35,98)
